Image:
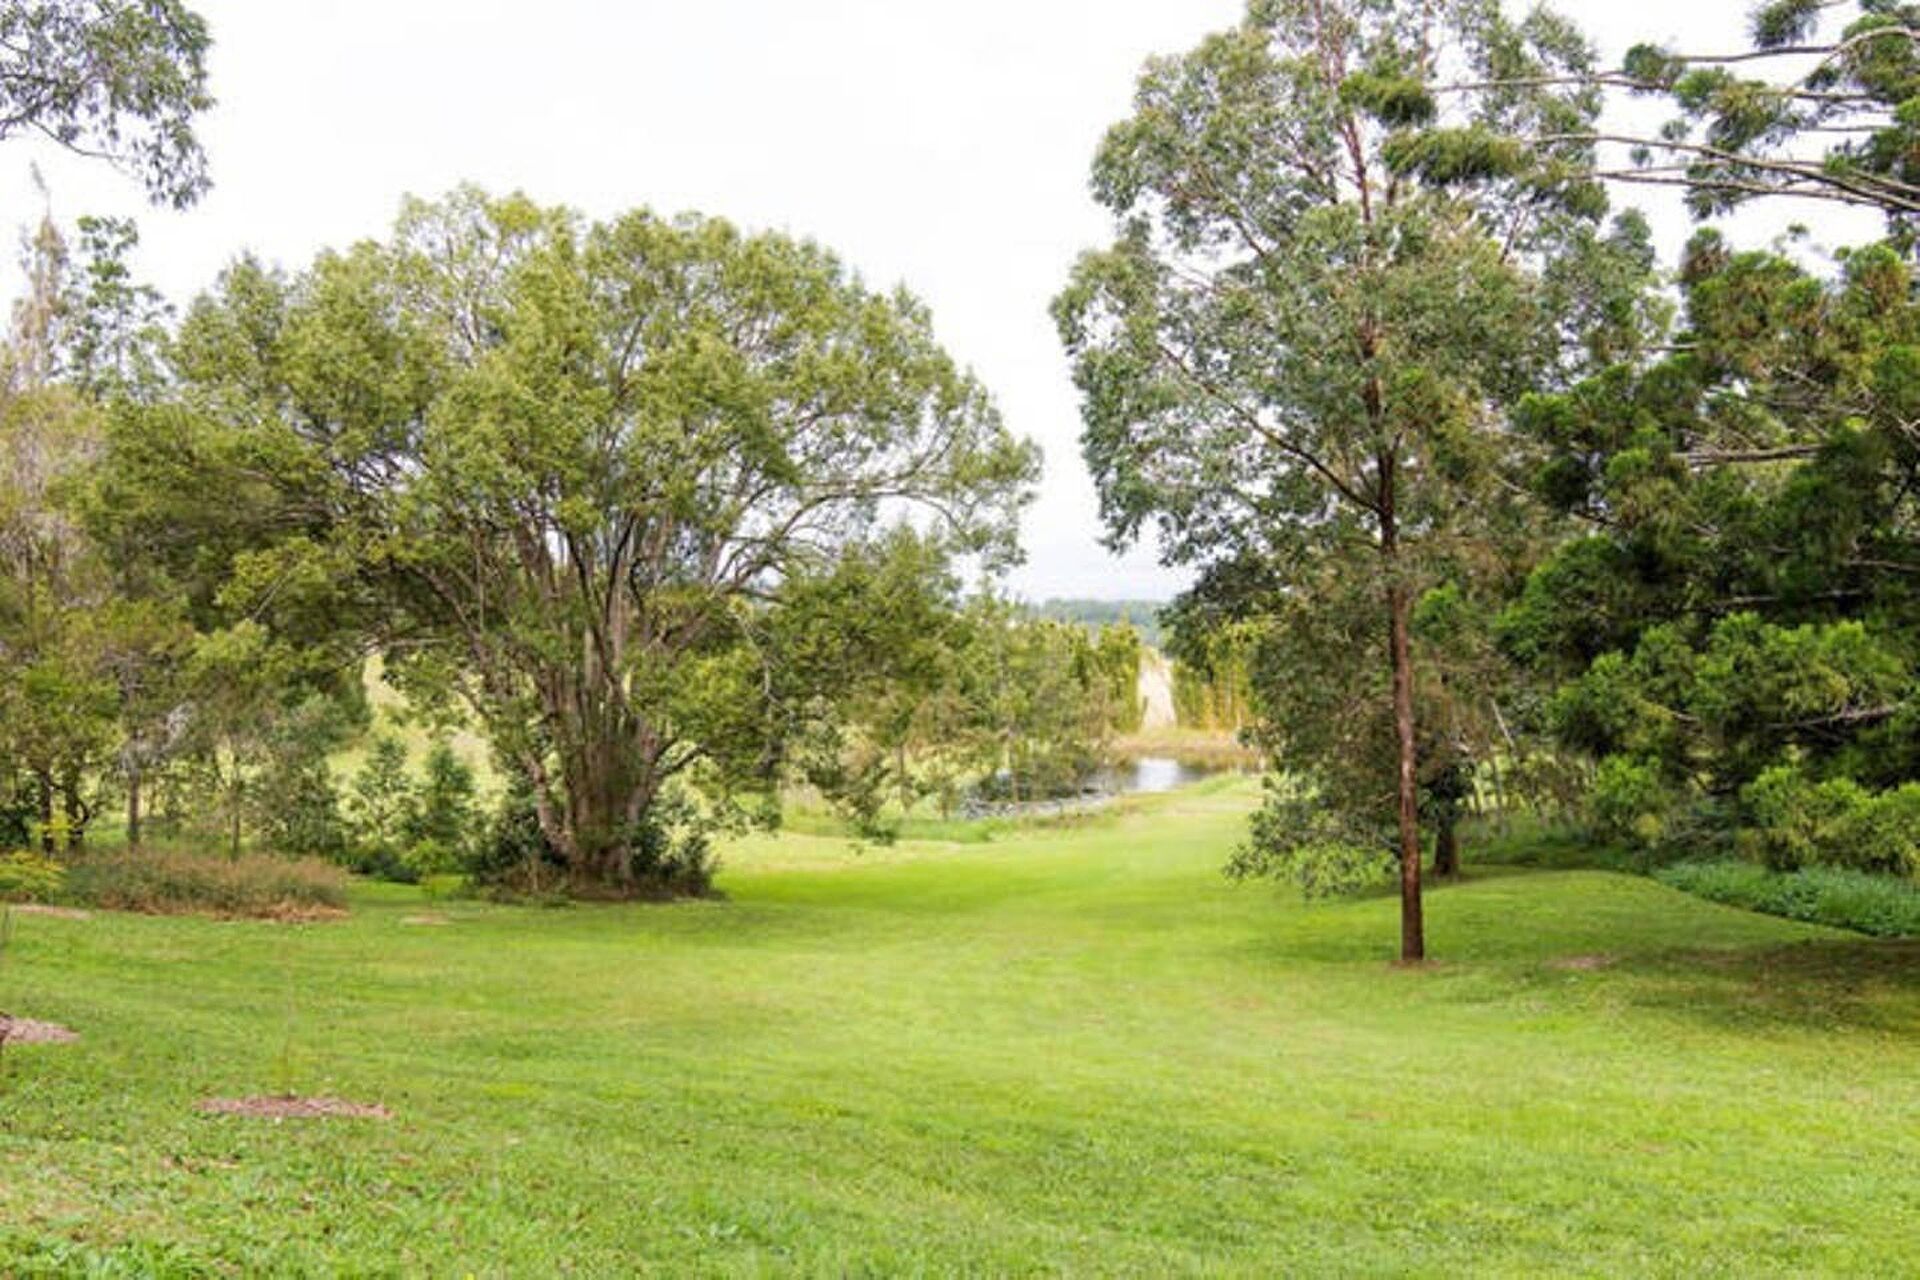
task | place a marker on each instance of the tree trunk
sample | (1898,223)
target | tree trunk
(43,787)
(1413,937)
(133,810)
(79,813)
(1446,840)
(591,812)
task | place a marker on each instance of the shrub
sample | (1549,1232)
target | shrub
(174,883)
(28,877)
(442,822)
(1795,822)
(672,855)
(300,810)
(1846,899)
(1631,805)
(515,850)
(404,829)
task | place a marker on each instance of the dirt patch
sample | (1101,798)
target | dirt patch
(293,1108)
(28,1031)
(1581,964)
(295,913)
(58,913)
(425,920)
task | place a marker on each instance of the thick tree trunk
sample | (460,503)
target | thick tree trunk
(592,812)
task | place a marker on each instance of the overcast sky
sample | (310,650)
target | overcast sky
(941,145)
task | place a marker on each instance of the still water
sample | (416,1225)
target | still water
(1147,776)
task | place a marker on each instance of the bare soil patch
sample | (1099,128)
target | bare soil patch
(289,1107)
(57,913)
(31,1031)
(430,919)
(1582,964)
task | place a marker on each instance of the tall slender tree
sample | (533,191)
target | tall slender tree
(1320,295)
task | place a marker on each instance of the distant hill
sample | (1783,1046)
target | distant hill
(1143,614)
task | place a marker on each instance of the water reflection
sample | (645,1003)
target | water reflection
(1148,775)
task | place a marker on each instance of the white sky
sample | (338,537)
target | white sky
(941,145)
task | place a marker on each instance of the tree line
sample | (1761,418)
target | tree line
(1478,492)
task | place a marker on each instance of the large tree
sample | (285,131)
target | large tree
(1322,292)
(123,80)
(572,475)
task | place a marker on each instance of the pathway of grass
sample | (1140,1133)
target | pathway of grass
(1069,1051)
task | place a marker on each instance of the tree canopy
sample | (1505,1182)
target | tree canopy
(574,476)
(121,80)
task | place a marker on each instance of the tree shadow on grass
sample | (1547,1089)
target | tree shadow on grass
(1832,984)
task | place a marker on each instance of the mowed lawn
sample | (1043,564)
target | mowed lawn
(1074,1051)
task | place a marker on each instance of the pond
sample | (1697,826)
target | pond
(1148,775)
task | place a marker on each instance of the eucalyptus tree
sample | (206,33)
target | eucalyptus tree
(1321,294)
(121,80)
(572,476)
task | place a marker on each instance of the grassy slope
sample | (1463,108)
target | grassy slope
(1073,1051)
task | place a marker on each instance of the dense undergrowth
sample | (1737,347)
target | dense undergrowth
(177,882)
(1867,902)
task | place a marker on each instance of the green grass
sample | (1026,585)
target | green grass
(1075,1050)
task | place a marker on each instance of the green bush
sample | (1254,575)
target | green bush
(1631,805)
(405,828)
(514,852)
(1881,905)
(671,852)
(1795,822)
(29,877)
(173,883)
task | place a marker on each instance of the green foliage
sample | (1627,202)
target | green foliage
(513,851)
(168,882)
(1841,75)
(1843,898)
(1212,672)
(1297,836)
(575,475)
(381,806)
(26,876)
(120,79)
(1742,624)
(1632,804)
(1797,822)
(1043,698)
(1291,358)
(444,822)
(1096,615)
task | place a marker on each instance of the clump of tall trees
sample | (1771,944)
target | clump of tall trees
(1371,354)
(1294,356)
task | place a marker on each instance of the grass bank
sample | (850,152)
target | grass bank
(1070,1050)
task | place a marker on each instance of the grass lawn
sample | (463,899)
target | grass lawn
(1072,1050)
